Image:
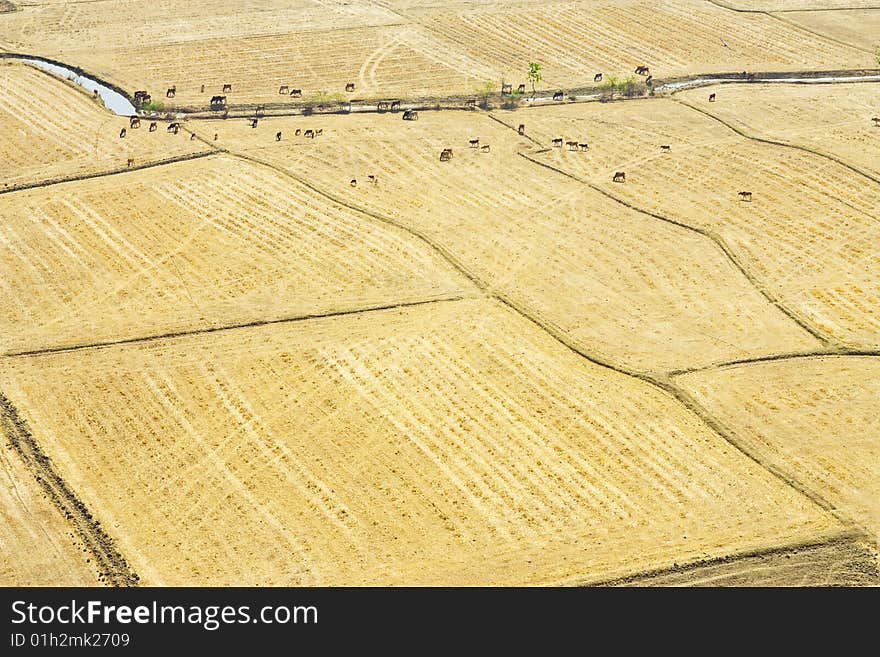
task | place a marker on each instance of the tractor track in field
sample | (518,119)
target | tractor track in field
(111,564)
(795,355)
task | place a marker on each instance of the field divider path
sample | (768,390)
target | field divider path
(719,241)
(661,382)
(854,353)
(231,327)
(840,539)
(111,564)
(785,144)
(109,172)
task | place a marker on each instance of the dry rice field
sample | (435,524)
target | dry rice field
(791,114)
(808,236)
(817,419)
(36,542)
(859,28)
(51,129)
(447,444)
(194,246)
(409,49)
(639,292)
(249,357)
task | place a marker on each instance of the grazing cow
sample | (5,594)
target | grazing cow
(475,143)
(558,95)
(349,87)
(410,115)
(584,147)
(260,111)
(649,81)
(446,155)
(642,70)
(283,90)
(484,148)
(557,142)
(666,148)
(192,136)
(354,182)
(395,105)
(506,89)
(278,136)
(171,92)
(253,122)
(227,88)
(319,132)
(876,121)
(471,102)
(296,93)
(310,134)
(572,145)
(297,133)
(202,89)
(373,179)
(711,98)
(521,89)
(134,122)
(382,106)
(215,136)
(122,133)
(745,196)
(521,130)
(129,162)
(141,97)
(173,128)
(619,177)
(153,126)
(597,77)
(218,102)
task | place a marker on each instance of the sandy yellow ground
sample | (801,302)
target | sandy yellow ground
(37,547)
(191,246)
(808,237)
(50,129)
(630,289)
(815,419)
(453,443)
(835,119)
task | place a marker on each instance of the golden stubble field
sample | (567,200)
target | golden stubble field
(835,119)
(447,444)
(808,236)
(628,288)
(403,49)
(817,419)
(51,129)
(194,246)
(447,418)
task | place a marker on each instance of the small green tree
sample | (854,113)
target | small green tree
(535,75)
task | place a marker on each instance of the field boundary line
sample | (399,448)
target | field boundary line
(109,172)
(663,383)
(842,538)
(719,241)
(740,10)
(111,564)
(232,327)
(774,142)
(795,355)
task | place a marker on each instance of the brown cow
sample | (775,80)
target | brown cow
(484,148)
(557,142)
(474,143)
(171,92)
(521,130)
(558,95)
(619,177)
(584,147)
(597,77)
(745,196)
(278,136)
(446,155)
(153,126)
(134,122)
(666,148)
(227,88)
(122,133)
(349,87)
(410,115)
(296,93)
(711,98)
(572,145)
(283,90)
